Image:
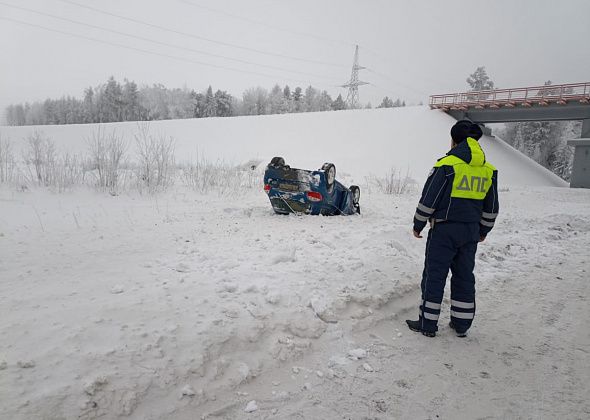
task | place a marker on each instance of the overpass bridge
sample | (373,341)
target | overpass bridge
(564,102)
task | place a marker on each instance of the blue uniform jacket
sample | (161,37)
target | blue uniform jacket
(437,204)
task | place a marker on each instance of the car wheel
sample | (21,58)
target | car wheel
(330,171)
(356,194)
(277,162)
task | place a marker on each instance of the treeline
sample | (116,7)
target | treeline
(545,142)
(116,102)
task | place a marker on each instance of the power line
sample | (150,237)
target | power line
(148,51)
(401,64)
(227,44)
(151,25)
(160,42)
(261,23)
(397,83)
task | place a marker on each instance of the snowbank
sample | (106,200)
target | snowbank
(181,305)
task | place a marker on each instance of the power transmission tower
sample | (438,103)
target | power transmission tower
(352,99)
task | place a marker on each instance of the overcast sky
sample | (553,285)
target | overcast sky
(411,48)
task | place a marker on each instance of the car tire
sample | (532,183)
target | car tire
(277,162)
(330,171)
(356,194)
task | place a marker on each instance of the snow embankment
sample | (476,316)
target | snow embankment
(360,142)
(182,305)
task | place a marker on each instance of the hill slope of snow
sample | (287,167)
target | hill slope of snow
(359,142)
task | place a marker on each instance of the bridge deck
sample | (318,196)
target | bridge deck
(511,98)
(537,103)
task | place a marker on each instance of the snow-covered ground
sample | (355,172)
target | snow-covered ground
(182,305)
(360,142)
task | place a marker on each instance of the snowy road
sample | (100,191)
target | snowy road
(184,306)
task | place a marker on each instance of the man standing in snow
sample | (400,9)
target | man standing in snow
(460,200)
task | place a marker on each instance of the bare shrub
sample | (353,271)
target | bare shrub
(205,176)
(39,158)
(107,152)
(44,167)
(7,161)
(156,165)
(393,182)
(67,172)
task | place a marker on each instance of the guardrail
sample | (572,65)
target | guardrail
(509,98)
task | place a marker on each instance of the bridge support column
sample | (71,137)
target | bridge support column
(581,166)
(487,131)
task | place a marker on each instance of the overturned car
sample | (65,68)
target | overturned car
(292,190)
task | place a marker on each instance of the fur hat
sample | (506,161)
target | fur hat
(476,131)
(461,130)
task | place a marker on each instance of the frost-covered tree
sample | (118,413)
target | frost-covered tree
(180,103)
(89,106)
(224,104)
(386,103)
(287,93)
(545,141)
(310,100)
(112,101)
(15,115)
(298,105)
(276,101)
(210,104)
(36,115)
(324,101)
(255,101)
(479,80)
(154,100)
(130,99)
(198,100)
(338,103)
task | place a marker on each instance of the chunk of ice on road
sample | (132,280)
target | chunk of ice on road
(26,364)
(338,361)
(188,391)
(357,353)
(182,268)
(117,288)
(251,407)
(285,257)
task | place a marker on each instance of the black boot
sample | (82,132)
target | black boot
(416,327)
(458,332)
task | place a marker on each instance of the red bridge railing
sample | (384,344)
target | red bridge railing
(509,98)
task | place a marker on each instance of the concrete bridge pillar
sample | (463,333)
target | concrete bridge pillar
(581,166)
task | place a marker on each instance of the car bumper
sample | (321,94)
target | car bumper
(286,205)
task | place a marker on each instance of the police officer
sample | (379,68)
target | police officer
(460,200)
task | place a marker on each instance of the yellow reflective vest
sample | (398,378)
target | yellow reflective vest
(473,179)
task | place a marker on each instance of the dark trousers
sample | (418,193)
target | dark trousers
(450,245)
